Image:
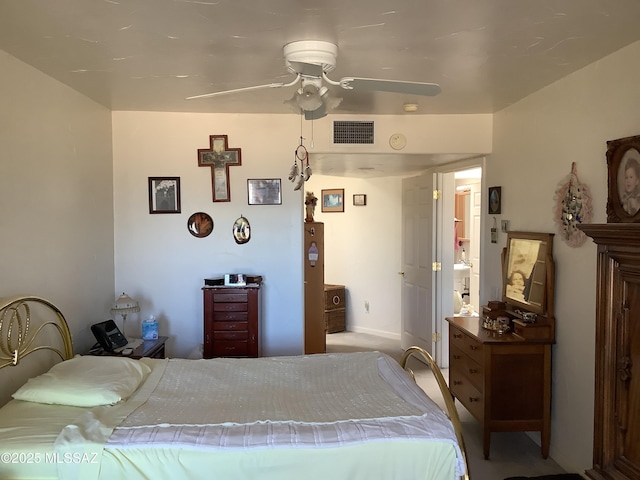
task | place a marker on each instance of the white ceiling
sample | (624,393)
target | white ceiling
(152,54)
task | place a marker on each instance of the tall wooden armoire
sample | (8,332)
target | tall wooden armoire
(616,437)
(314,323)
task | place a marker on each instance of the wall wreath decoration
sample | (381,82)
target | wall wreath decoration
(572,207)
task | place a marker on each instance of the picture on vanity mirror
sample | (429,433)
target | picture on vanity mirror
(527,267)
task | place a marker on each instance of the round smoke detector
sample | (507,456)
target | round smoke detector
(311,51)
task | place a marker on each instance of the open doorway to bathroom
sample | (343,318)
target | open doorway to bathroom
(468,209)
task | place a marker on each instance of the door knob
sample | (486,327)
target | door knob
(401,273)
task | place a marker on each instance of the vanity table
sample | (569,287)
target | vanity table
(504,377)
(504,380)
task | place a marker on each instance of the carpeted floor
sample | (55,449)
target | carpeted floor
(560,476)
(512,453)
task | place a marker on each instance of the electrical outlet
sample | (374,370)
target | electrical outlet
(366,306)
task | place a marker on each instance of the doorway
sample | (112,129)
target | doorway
(436,255)
(363,246)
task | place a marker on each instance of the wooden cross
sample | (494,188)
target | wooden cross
(219,157)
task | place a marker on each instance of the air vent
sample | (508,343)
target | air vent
(353,132)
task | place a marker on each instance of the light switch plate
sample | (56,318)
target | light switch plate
(504,225)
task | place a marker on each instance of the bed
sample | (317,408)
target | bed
(340,416)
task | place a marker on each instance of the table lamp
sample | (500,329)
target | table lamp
(124,305)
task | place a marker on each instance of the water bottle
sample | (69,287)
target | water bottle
(150,328)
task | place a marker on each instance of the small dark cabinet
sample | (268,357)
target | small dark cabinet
(231,321)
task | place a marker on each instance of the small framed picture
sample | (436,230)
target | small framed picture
(359,199)
(333,200)
(264,191)
(623,164)
(495,200)
(164,194)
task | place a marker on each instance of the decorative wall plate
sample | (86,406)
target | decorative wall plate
(241,230)
(200,224)
(573,207)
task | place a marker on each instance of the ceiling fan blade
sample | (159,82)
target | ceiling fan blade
(307,69)
(394,86)
(246,89)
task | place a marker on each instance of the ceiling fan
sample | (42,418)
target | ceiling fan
(310,61)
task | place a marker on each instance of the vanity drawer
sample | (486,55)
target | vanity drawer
(467,394)
(473,348)
(466,366)
(466,344)
(457,338)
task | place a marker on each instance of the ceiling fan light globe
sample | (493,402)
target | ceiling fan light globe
(308,98)
(292,103)
(331,102)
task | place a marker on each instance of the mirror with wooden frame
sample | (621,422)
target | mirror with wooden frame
(528,272)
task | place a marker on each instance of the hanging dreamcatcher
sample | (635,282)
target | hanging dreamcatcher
(573,207)
(298,174)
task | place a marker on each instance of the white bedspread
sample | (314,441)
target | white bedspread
(320,401)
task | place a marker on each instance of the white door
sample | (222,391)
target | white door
(418,286)
(474,234)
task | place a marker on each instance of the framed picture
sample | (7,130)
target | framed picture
(264,191)
(359,199)
(333,200)
(164,194)
(623,165)
(495,200)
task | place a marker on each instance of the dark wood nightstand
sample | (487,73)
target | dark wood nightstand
(148,348)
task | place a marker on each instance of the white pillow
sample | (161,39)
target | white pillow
(86,381)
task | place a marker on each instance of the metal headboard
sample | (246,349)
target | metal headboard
(18,331)
(452,412)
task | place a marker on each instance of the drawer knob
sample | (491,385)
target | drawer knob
(457,335)
(473,370)
(457,382)
(457,357)
(474,399)
(336,300)
(473,347)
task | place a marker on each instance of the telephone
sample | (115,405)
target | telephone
(108,335)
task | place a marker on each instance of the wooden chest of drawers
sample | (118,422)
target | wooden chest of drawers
(231,321)
(334,308)
(503,380)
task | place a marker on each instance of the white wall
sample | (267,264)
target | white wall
(535,142)
(159,263)
(56,203)
(162,265)
(363,250)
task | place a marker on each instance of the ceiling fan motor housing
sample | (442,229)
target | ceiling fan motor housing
(314,52)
